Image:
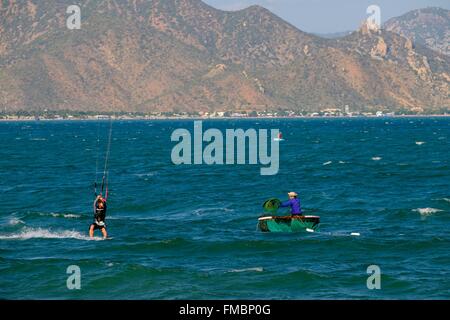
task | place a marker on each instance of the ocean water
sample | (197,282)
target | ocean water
(189,232)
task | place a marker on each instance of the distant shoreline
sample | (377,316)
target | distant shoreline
(27,119)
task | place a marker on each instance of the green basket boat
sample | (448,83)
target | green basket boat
(288,223)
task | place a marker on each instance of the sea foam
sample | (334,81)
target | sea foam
(32,233)
(65,215)
(15,221)
(256,269)
(427,211)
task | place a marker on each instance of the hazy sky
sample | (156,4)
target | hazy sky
(328,16)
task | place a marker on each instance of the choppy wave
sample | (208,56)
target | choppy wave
(203,211)
(51,214)
(15,221)
(32,233)
(66,215)
(145,176)
(427,211)
(256,269)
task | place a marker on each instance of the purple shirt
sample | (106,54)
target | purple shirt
(294,204)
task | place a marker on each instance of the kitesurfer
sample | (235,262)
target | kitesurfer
(99,217)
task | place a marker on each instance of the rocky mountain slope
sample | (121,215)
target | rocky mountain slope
(183,55)
(429,27)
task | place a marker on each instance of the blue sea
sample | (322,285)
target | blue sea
(190,231)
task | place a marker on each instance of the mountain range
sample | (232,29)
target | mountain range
(184,55)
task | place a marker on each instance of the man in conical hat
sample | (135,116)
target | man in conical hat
(293,203)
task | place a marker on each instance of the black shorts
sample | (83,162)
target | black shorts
(97,227)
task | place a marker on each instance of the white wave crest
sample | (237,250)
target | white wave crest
(15,221)
(145,175)
(65,215)
(204,211)
(427,211)
(256,269)
(40,233)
